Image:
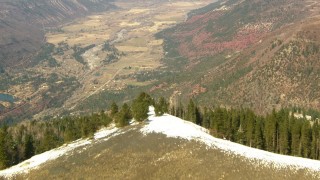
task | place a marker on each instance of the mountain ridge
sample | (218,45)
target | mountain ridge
(181,136)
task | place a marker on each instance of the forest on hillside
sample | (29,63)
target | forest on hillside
(278,132)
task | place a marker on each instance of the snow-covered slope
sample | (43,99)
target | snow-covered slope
(64,150)
(176,127)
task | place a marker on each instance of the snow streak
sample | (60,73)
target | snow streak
(178,128)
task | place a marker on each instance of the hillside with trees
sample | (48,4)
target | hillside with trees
(279,132)
(257,54)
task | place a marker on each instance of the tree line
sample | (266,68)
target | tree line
(21,141)
(278,132)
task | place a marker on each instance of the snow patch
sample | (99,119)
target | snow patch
(104,132)
(66,149)
(178,128)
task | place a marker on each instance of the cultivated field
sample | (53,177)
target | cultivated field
(130,30)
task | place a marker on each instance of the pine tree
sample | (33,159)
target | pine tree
(206,118)
(4,156)
(217,122)
(161,107)
(70,132)
(235,124)
(271,132)
(180,111)
(284,135)
(114,109)
(250,124)
(258,134)
(29,149)
(105,120)
(123,117)
(305,146)
(295,137)
(192,112)
(140,107)
(315,141)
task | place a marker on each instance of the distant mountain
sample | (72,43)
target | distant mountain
(22,24)
(262,54)
(164,147)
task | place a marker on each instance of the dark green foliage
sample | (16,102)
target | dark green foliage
(44,54)
(123,117)
(178,110)
(19,143)
(49,141)
(4,156)
(78,51)
(140,107)
(206,118)
(258,135)
(104,119)
(113,54)
(29,149)
(114,109)
(277,132)
(192,113)
(161,107)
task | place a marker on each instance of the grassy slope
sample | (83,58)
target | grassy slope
(134,156)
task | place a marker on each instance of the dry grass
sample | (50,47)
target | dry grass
(134,156)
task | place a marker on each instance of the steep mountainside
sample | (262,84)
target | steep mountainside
(164,147)
(261,54)
(22,24)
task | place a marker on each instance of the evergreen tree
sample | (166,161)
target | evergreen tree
(295,137)
(235,124)
(124,116)
(28,146)
(315,141)
(105,120)
(114,109)
(49,141)
(180,111)
(192,112)
(70,132)
(4,156)
(271,132)
(250,124)
(206,118)
(140,107)
(258,134)
(161,107)
(284,135)
(217,122)
(305,146)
